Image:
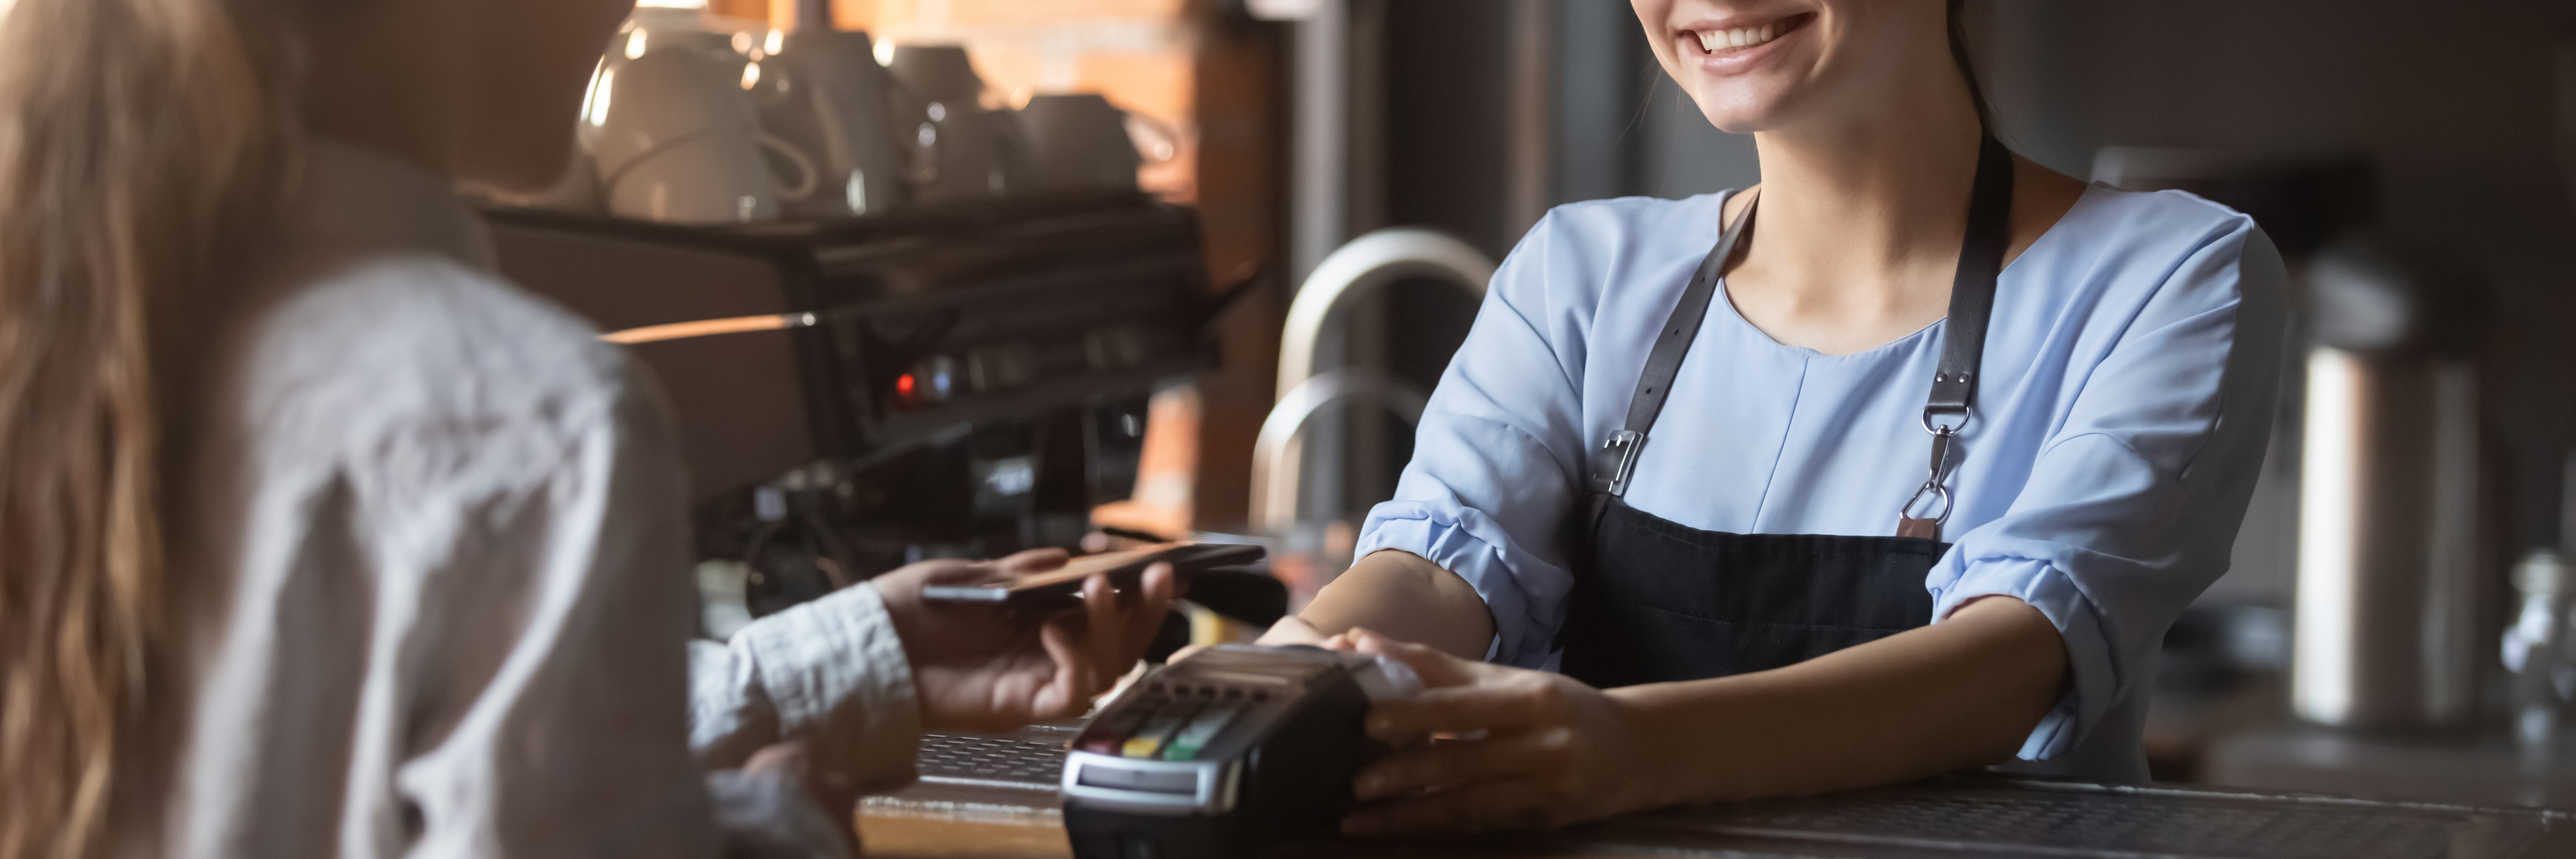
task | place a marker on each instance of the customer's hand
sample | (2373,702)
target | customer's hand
(1490,747)
(977,668)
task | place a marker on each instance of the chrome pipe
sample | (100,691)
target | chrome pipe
(1276,452)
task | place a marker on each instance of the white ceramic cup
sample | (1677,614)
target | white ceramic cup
(835,102)
(681,143)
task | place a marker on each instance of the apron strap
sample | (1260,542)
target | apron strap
(1954,380)
(1963,338)
(1616,461)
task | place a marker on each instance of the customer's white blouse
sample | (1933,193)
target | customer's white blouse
(2129,376)
(433,585)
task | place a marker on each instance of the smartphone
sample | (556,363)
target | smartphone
(1061,590)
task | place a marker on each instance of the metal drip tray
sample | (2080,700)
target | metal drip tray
(1028,759)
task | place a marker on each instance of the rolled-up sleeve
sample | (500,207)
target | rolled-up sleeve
(831,673)
(2132,504)
(1497,454)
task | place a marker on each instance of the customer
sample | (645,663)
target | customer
(318,538)
(1899,462)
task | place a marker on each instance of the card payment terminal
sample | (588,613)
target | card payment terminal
(1233,751)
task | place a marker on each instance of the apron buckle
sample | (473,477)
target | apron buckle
(1612,476)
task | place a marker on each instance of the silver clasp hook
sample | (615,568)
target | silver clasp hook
(1937,478)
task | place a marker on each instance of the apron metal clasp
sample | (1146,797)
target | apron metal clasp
(1612,476)
(1936,484)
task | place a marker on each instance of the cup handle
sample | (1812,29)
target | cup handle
(1164,140)
(809,178)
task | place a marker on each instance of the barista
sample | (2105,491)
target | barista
(1896,463)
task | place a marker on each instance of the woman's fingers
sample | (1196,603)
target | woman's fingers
(1509,804)
(1504,704)
(1460,762)
(1437,669)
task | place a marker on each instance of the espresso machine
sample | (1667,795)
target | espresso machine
(857,393)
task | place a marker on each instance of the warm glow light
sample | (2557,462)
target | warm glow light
(635,46)
(750,75)
(707,328)
(742,43)
(777,40)
(885,53)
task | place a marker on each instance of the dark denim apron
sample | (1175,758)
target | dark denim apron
(1656,601)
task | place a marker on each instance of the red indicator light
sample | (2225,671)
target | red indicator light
(903,384)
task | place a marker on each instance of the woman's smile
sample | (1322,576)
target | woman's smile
(1733,43)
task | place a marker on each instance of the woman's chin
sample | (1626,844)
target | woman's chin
(1741,107)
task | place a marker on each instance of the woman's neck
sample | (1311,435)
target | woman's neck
(1866,200)
(1861,221)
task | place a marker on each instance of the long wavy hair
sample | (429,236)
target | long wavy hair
(139,140)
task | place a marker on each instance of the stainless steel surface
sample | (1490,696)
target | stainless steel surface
(2389,569)
(2386,632)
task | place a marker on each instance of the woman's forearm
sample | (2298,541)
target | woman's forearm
(1956,694)
(1400,594)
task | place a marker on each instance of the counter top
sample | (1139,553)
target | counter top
(966,813)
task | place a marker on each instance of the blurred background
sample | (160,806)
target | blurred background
(958,277)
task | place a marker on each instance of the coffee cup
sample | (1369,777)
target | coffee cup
(836,103)
(680,142)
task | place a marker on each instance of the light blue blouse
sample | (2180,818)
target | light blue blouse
(2130,372)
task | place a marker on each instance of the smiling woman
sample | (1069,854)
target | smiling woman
(1674,490)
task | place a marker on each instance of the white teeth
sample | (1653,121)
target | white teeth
(1714,41)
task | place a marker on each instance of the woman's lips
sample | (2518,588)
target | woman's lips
(1721,41)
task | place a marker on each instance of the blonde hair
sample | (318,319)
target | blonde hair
(138,139)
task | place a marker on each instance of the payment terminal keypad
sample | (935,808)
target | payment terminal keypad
(1172,722)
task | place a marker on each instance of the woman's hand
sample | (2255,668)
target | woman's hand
(1534,748)
(977,668)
